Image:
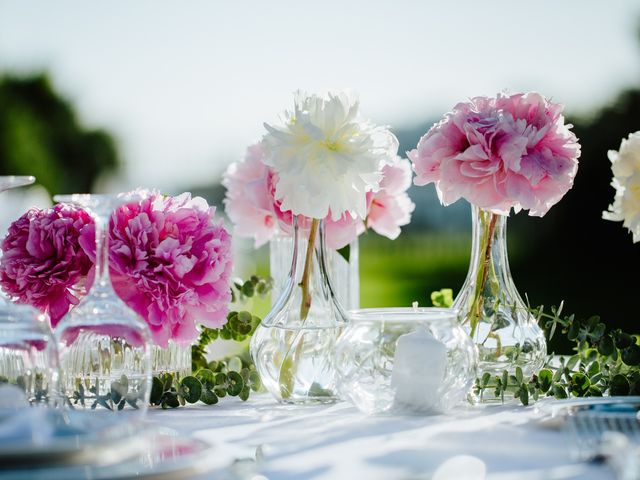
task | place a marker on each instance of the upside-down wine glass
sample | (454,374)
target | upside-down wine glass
(29,370)
(105,347)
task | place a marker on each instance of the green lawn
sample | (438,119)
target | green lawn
(396,273)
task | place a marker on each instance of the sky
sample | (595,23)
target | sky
(185,86)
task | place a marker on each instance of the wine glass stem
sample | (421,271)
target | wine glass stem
(102,252)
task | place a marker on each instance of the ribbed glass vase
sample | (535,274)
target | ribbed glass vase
(175,359)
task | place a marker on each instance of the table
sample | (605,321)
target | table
(337,442)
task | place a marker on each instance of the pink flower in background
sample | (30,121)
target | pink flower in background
(249,201)
(512,151)
(171,262)
(390,208)
(252,207)
(43,264)
(341,232)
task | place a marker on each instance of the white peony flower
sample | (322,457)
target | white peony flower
(326,157)
(626,162)
(625,165)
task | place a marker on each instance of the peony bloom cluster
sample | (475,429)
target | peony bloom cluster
(625,165)
(42,262)
(325,157)
(171,262)
(511,151)
(255,212)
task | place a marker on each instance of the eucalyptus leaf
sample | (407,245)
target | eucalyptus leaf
(545,378)
(192,389)
(619,385)
(208,397)
(235,385)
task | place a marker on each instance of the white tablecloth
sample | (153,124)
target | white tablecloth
(337,442)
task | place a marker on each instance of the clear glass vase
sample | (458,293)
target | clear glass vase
(293,348)
(493,313)
(344,274)
(105,347)
(175,359)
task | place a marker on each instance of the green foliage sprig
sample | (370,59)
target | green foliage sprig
(605,361)
(210,381)
(235,377)
(117,397)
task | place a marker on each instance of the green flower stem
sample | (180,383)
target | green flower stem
(289,362)
(488,221)
(308,265)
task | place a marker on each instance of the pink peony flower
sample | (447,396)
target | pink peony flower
(42,263)
(171,262)
(390,208)
(249,201)
(252,206)
(500,153)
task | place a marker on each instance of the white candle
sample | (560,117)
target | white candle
(418,370)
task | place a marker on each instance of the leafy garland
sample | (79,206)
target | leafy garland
(234,376)
(605,361)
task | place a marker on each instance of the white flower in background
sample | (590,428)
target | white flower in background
(625,165)
(326,157)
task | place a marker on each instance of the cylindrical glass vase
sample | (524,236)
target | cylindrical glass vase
(343,268)
(493,313)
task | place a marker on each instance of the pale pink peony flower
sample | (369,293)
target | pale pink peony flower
(249,201)
(42,263)
(341,232)
(512,151)
(252,205)
(171,262)
(390,208)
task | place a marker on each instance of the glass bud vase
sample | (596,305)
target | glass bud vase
(344,274)
(293,348)
(493,313)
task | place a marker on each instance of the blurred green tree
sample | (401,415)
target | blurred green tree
(40,135)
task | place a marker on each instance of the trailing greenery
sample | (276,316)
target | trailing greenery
(235,377)
(39,391)
(118,396)
(605,361)
(210,381)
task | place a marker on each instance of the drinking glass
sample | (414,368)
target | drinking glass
(105,347)
(29,370)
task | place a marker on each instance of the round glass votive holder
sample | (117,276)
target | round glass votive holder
(405,360)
